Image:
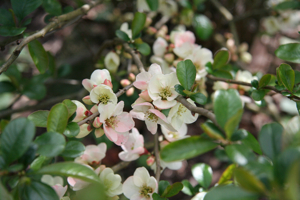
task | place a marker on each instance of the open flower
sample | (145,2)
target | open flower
(140,185)
(160,47)
(56,182)
(143,78)
(116,123)
(133,147)
(93,154)
(175,135)
(244,76)
(102,95)
(98,77)
(161,90)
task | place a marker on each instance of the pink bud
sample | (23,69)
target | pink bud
(99,132)
(108,83)
(151,30)
(130,92)
(171,47)
(169,57)
(145,95)
(87,100)
(87,84)
(131,77)
(167,37)
(148,22)
(125,82)
(97,122)
(150,160)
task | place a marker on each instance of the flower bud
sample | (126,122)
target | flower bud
(171,47)
(131,77)
(125,82)
(108,83)
(145,95)
(87,100)
(150,160)
(148,22)
(151,30)
(112,61)
(99,132)
(130,92)
(97,123)
(246,57)
(169,57)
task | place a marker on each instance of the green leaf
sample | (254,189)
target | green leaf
(73,149)
(52,64)
(3,124)
(287,76)
(38,55)
(144,48)
(222,74)
(11,31)
(226,175)
(203,27)
(6,18)
(39,118)
(264,81)
(221,59)
(6,86)
(293,178)
(37,190)
(227,104)
(50,144)
(239,154)
(199,98)
(269,139)
(203,174)
(187,189)
(156,196)
(186,73)
(4,194)
(34,89)
(248,181)
(251,142)
(38,162)
(291,135)
(122,35)
(22,8)
(153,4)
(172,190)
(72,130)
(70,106)
(162,186)
(138,24)
(52,7)
(232,123)
(16,139)
(58,118)
(212,131)
(179,89)
(258,95)
(187,148)
(255,83)
(72,169)
(229,192)
(289,52)
(288,5)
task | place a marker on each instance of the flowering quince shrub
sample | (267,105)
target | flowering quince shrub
(169,83)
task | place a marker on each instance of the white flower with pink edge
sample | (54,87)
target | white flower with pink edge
(172,136)
(56,182)
(93,154)
(140,186)
(98,77)
(143,78)
(102,95)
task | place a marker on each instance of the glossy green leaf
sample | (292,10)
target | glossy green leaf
(38,55)
(52,7)
(94,191)
(179,89)
(229,192)
(172,190)
(73,149)
(58,118)
(138,24)
(153,4)
(227,103)
(255,83)
(4,194)
(186,73)
(203,27)
(39,118)
(239,154)
(37,190)
(287,5)
(6,18)
(72,130)
(232,123)
(122,35)
(222,74)
(287,76)
(22,8)
(203,174)
(251,142)
(269,138)
(11,31)
(248,181)
(264,81)
(187,148)
(199,98)
(38,162)
(221,58)
(156,196)
(239,135)
(16,139)
(6,86)
(212,131)
(70,106)
(72,169)
(187,189)
(144,48)
(35,90)
(162,186)
(50,144)
(227,175)
(258,95)
(289,52)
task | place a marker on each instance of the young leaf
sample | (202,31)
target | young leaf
(222,74)
(38,162)
(58,118)
(289,52)
(153,4)
(203,174)
(52,7)
(22,8)
(287,76)
(73,149)
(144,48)
(186,73)
(122,35)
(156,196)
(50,144)
(38,55)
(11,31)
(199,98)
(203,27)
(255,83)
(239,154)
(172,190)
(187,148)
(138,24)
(221,58)
(227,175)
(264,81)
(39,118)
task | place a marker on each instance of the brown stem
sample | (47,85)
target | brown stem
(135,57)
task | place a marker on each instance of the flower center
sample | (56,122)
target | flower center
(111,122)
(145,191)
(181,109)
(103,98)
(165,93)
(151,117)
(173,134)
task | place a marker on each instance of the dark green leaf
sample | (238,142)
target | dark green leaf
(122,35)
(26,22)
(239,154)
(22,8)
(232,123)
(255,83)
(39,118)
(179,89)
(187,148)
(144,48)
(227,175)
(11,31)
(269,139)
(94,191)
(287,76)
(203,27)
(6,18)
(50,144)
(6,86)
(212,131)
(29,155)
(72,130)
(199,98)
(35,90)
(203,174)
(38,55)
(16,139)
(153,4)
(52,64)
(138,24)
(73,149)
(186,73)
(222,74)
(38,162)
(72,169)
(52,7)
(258,95)
(58,118)
(251,142)
(293,178)
(289,52)
(37,190)
(156,196)
(172,190)
(67,9)
(288,5)
(264,81)
(239,135)
(70,106)
(162,186)
(187,189)
(221,59)
(227,103)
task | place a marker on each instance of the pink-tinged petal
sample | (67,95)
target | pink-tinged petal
(127,156)
(137,115)
(110,133)
(88,84)
(141,176)
(160,46)
(94,109)
(87,100)
(71,181)
(139,150)
(85,129)
(145,95)
(159,114)
(138,101)
(118,108)
(108,83)
(97,123)
(142,85)
(99,132)
(60,190)
(99,76)
(129,188)
(164,104)
(124,122)
(137,197)
(143,107)
(151,126)
(142,80)
(154,69)
(80,111)
(122,138)
(167,125)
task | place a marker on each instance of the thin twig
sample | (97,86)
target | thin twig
(120,166)
(9,40)
(157,157)
(57,23)
(135,57)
